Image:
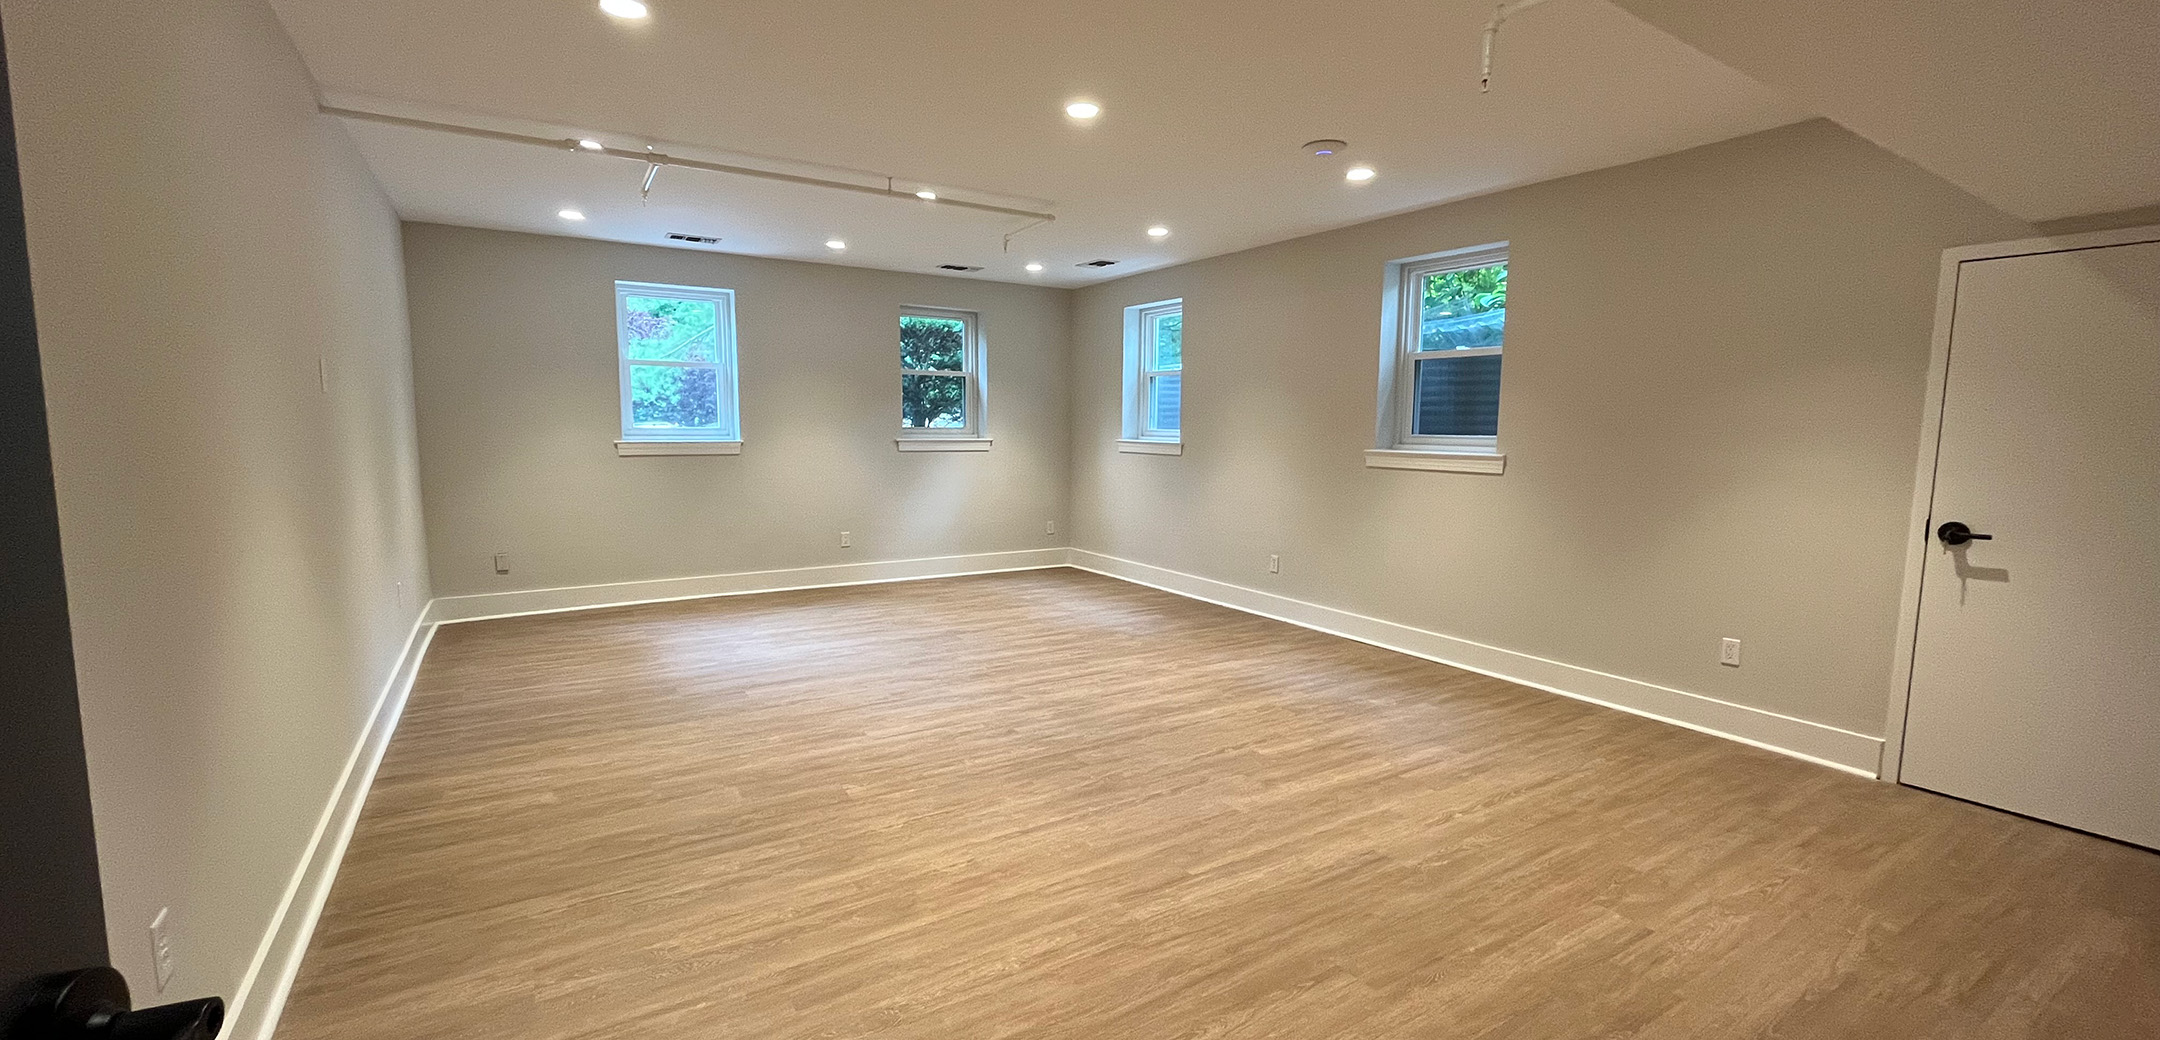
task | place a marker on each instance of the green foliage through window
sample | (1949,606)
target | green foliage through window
(1473,291)
(1464,309)
(662,329)
(664,396)
(933,345)
(933,402)
(1170,341)
(676,346)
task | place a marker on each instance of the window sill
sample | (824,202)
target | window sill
(1491,462)
(1151,447)
(627,449)
(942,443)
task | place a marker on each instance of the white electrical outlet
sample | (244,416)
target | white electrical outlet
(1274,564)
(1049,527)
(846,539)
(161,947)
(1728,653)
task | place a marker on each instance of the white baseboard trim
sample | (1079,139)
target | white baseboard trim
(1824,745)
(450,609)
(256,1005)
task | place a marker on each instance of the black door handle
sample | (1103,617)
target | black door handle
(92,1004)
(1954,533)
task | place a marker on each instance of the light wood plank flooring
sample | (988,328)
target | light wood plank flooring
(1053,805)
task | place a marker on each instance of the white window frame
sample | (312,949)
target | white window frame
(1140,434)
(1397,444)
(974,397)
(723,439)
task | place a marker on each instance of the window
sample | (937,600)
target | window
(1446,323)
(941,381)
(1154,378)
(676,349)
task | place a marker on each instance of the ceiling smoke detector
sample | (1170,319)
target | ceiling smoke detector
(1324,147)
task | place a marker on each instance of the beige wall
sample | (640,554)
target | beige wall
(514,361)
(1710,410)
(234,536)
(1712,395)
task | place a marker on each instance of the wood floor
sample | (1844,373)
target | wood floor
(1052,805)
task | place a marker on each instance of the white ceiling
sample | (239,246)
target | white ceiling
(1205,105)
(2043,108)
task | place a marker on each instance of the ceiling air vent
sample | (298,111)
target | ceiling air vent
(703,240)
(957,267)
(1096,263)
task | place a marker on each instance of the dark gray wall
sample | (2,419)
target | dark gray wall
(52,917)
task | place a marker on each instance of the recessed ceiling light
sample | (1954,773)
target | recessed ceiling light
(926,195)
(834,243)
(590,145)
(1358,173)
(1034,268)
(1158,231)
(569,214)
(625,8)
(1083,110)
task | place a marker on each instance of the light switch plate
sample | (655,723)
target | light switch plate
(161,947)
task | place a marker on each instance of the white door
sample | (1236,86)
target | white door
(2036,671)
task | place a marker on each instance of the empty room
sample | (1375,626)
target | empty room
(610,519)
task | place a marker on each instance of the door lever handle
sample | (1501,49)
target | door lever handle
(1954,533)
(93,1004)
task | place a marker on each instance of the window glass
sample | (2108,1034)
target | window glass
(1458,397)
(1463,310)
(1169,340)
(932,344)
(674,398)
(675,347)
(933,402)
(1154,371)
(1441,379)
(1164,401)
(659,329)
(940,374)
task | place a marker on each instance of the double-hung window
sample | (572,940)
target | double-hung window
(941,381)
(1154,378)
(1446,324)
(675,347)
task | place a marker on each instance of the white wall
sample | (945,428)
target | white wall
(1710,411)
(514,356)
(234,535)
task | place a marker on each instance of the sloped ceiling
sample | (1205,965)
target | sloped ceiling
(2044,109)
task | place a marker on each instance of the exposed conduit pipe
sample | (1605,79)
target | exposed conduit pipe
(1492,31)
(659,159)
(1024,227)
